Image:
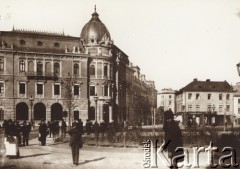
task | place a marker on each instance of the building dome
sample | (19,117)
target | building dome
(95,31)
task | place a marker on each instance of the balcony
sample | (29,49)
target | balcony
(41,76)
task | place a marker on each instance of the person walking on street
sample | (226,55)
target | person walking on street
(43,132)
(173,138)
(75,141)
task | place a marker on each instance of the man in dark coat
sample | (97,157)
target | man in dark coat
(43,132)
(173,138)
(26,128)
(75,141)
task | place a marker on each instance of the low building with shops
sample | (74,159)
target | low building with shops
(205,103)
(36,67)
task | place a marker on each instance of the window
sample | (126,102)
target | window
(209,96)
(22,88)
(56,68)
(1,88)
(1,114)
(76,69)
(228,108)
(30,66)
(22,66)
(162,103)
(238,110)
(39,43)
(92,91)
(39,88)
(238,101)
(197,108)
(105,90)
(170,96)
(56,44)
(76,90)
(22,42)
(56,89)
(92,70)
(1,64)
(39,68)
(189,108)
(209,107)
(220,108)
(105,72)
(227,96)
(197,96)
(170,103)
(162,96)
(189,96)
(48,68)
(220,96)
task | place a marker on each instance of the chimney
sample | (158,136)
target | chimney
(208,80)
(195,80)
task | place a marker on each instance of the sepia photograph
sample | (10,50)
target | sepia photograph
(100,84)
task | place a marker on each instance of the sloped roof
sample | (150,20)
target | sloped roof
(208,86)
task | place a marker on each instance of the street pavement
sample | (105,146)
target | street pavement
(58,155)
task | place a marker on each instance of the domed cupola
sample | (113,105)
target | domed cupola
(95,32)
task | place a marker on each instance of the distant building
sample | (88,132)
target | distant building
(236,103)
(105,86)
(166,99)
(205,102)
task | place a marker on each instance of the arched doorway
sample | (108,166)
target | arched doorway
(56,111)
(106,113)
(91,113)
(22,111)
(39,111)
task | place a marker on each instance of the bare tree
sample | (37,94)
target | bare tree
(69,100)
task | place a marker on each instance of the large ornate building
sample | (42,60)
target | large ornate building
(37,69)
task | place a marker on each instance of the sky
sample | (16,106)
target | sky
(172,41)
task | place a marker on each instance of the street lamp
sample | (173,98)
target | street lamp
(96,100)
(31,104)
(238,68)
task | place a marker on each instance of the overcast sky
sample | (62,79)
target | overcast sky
(172,41)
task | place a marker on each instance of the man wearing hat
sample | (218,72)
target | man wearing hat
(25,132)
(173,138)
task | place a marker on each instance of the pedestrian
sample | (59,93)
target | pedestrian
(63,129)
(173,138)
(25,132)
(18,129)
(75,141)
(96,131)
(88,127)
(11,140)
(43,132)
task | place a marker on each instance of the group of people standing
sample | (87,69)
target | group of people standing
(21,132)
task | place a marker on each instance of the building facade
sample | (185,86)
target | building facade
(206,102)
(53,76)
(166,99)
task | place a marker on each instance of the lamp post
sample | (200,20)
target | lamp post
(31,104)
(96,100)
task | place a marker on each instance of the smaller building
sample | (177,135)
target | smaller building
(236,102)
(205,103)
(166,99)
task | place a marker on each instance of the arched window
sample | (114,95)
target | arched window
(1,64)
(48,68)
(92,70)
(30,66)
(56,68)
(39,68)
(76,69)
(22,66)
(105,71)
